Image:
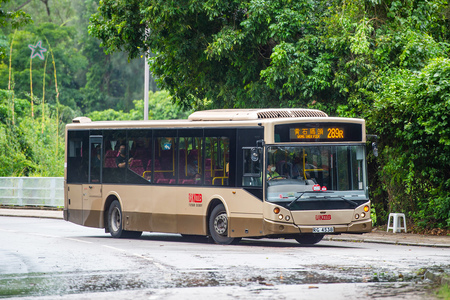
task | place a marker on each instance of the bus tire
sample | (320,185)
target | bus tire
(309,239)
(218,226)
(115,225)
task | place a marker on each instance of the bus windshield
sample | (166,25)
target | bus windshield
(296,173)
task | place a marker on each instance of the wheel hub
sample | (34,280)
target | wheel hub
(116,219)
(221,224)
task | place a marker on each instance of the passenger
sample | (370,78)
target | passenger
(297,170)
(96,162)
(197,178)
(121,160)
(192,168)
(271,173)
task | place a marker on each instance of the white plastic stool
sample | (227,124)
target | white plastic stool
(396,227)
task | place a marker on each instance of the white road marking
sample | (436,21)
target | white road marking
(45,235)
(77,240)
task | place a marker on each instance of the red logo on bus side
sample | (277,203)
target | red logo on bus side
(323,217)
(196,198)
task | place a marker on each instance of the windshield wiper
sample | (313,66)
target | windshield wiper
(348,201)
(293,201)
(302,193)
(353,203)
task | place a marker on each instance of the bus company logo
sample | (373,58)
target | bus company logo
(323,217)
(196,198)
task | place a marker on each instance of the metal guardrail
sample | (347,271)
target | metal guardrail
(32,191)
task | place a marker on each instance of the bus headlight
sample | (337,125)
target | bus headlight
(287,218)
(363,215)
(280,216)
(357,216)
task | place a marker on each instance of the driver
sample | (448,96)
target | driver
(271,173)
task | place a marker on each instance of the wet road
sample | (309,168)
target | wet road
(46,258)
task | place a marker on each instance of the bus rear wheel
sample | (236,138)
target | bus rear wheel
(218,226)
(309,239)
(115,223)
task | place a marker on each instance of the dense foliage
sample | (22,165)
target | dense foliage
(88,79)
(412,115)
(160,107)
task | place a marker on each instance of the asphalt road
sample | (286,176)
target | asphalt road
(54,259)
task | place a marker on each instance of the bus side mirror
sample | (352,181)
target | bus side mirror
(374,144)
(255,154)
(375,149)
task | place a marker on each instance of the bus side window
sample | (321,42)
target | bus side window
(190,153)
(139,154)
(77,156)
(216,160)
(165,157)
(252,166)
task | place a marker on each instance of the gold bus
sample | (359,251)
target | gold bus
(225,174)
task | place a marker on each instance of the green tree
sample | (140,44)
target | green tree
(32,146)
(10,19)
(160,106)
(68,60)
(90,80)
(412,115)
(208,49)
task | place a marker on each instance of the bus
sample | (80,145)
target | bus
(226,174)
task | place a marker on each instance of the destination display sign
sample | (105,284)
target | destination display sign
(318,132)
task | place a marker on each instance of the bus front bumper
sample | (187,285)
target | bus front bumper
(280,228)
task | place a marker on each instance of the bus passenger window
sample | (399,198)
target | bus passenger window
(190,160)
(164,172)
(77,156)
(139,145)
(216,160)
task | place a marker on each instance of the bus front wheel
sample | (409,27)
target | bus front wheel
(218,226)
(309,239)
(115,223)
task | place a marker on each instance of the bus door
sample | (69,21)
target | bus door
(92,192)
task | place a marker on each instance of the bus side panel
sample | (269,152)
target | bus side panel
(74,203)
(92,205)
(246,225)
(245,214)
(175,209)
(146,208)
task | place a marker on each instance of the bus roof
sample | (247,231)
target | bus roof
(255,114)
(220,118)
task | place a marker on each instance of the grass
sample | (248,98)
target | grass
(444,292)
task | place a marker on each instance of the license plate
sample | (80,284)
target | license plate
(323,229)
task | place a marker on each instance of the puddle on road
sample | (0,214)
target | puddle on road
(47,284)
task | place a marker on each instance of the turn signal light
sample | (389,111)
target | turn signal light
(276,210)
(366,208)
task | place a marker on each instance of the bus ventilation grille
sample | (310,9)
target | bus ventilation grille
(297,113)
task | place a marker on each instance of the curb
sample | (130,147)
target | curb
(31,213)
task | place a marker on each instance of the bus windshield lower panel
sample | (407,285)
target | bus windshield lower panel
(317,177)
